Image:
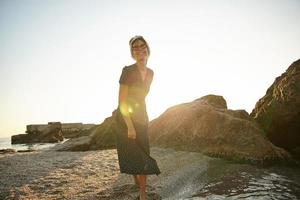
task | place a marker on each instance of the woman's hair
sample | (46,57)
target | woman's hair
(136,38)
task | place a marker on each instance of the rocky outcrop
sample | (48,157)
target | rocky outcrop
(278,112)
(50,134)
(99,137)
(206,125)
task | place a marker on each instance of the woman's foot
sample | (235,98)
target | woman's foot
(142,197)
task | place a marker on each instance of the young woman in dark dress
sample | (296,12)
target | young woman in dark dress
(132,140)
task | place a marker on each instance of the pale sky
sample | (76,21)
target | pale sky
(60,60)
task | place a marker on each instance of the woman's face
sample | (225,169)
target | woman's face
(139,50)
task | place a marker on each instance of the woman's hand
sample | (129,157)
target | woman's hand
(131,133)
(123,93)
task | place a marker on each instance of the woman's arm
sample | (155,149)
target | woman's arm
(125,110)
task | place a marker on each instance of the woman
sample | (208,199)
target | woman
(132,138)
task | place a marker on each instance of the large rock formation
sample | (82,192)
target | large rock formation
(50,134)
(206,125)
(278,112)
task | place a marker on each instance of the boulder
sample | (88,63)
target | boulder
(51,134)
(278,112)
(75,144)
(103,136)
(98,137)
(206,125)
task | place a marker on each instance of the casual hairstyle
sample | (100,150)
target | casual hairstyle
(136,38)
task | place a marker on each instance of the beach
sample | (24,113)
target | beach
(50,174)
(57,175)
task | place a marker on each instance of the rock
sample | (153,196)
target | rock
(75,144)
(72,130)
(206,125)
(4,151)
(75,133)
(50,134)
(22,138)
(103,136)
(278,112)
(98,137)
(26,150)
(214,100)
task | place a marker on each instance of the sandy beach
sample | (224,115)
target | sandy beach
(57,175)
(91,175)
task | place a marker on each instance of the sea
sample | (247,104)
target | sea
(5,143)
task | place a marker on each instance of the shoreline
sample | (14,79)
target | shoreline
(5,144)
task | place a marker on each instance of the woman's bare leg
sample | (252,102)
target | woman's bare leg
(142,180)
(136,180)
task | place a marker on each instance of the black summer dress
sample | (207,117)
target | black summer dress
(134,154)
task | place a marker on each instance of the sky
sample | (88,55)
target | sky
(61,60)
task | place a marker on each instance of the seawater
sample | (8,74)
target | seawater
(5,143)
(253,182)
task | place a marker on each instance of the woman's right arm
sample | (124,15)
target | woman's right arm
(125,110)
